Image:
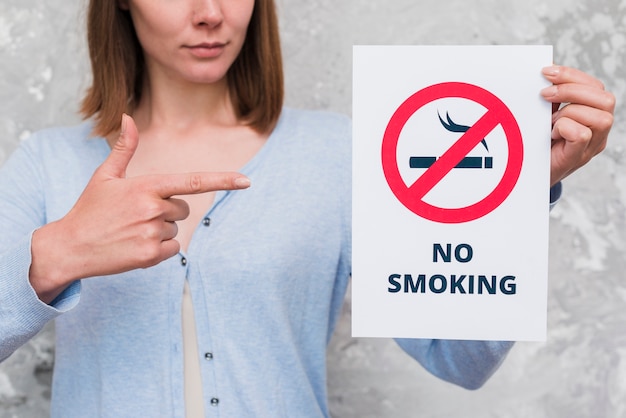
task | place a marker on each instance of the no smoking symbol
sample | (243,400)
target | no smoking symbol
(412,196)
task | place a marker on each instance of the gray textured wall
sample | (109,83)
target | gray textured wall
(579,372)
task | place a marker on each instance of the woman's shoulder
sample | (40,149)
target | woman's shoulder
(69,133)
(318,117)
(315,125)
(64,140)
(313,141)
(62,149)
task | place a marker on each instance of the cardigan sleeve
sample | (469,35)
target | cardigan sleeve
(465,363)
(555,194)
(22,211)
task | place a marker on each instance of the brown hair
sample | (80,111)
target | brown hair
(255,79)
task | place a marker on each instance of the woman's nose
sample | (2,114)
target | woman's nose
(207,13)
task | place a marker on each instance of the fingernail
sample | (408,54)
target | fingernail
(549,91)
(124,123)
(552,70)
(122,138)
(242,182)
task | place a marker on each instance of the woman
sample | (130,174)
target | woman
(107,224)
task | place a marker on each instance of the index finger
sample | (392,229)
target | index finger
(168,185)
(559,74)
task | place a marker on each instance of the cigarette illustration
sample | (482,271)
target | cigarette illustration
(467,162)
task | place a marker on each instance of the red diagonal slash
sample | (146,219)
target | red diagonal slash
(443,165)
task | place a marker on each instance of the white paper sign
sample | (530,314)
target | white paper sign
(451,155)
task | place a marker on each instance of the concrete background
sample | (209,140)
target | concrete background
(579,372)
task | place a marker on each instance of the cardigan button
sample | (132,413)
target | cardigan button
(183,261)
(208,356)
(206,221)
(215,401)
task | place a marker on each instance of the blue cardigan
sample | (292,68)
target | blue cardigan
(268,270)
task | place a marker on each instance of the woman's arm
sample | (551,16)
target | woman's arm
(22,210)
(468,364)
(116,225)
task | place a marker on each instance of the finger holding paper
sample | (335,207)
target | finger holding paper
(118,223)
(581,120)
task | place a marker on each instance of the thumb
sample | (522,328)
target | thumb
(116,163)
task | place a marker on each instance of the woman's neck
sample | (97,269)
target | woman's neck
(182,107)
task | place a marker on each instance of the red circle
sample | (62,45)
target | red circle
(412,198)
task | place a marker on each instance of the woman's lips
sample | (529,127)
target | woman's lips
(206,50)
